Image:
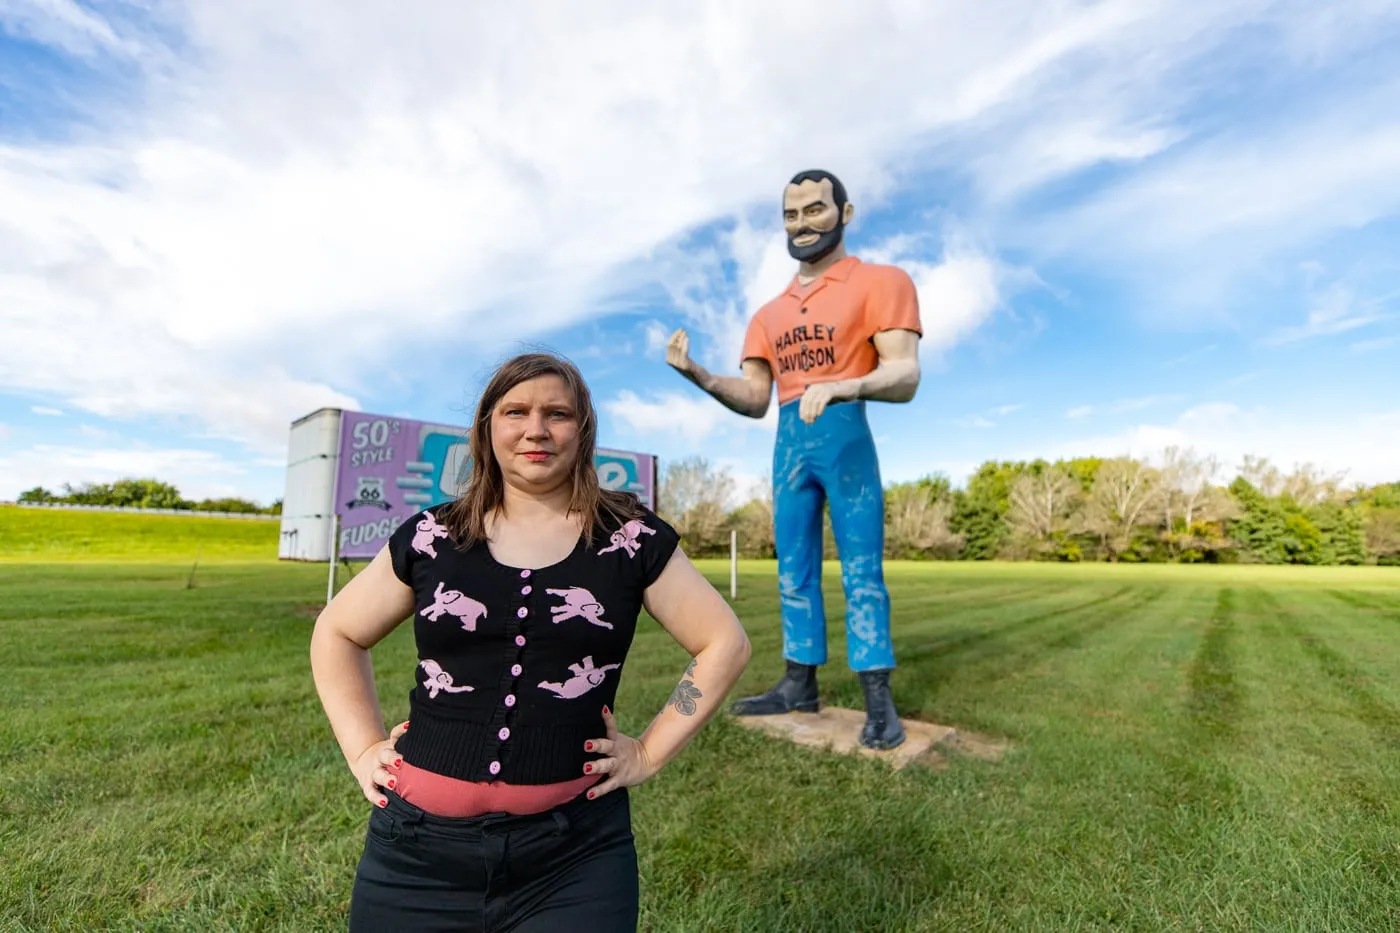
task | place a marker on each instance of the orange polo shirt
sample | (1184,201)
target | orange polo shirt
(823,331)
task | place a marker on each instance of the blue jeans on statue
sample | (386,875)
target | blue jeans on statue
(831,462)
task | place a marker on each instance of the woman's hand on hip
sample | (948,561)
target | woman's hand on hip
(376,764)
(624,759)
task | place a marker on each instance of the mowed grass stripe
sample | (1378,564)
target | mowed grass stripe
(1074,812)
(1346,677)
(1321,768)
(1026,647)
(1215,695)
(1388,608)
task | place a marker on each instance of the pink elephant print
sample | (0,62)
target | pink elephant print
(578,604)
(439,681)
(455,603)
(627,539)
(585,678)
(428,530)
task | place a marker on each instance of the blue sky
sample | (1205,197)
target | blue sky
(1132,225)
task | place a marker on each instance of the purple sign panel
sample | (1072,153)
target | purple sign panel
(389,469)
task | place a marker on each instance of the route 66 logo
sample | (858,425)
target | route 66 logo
(369,492)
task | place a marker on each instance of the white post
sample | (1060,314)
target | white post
(330,564)
(733,564)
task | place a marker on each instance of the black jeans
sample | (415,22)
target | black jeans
(570,868)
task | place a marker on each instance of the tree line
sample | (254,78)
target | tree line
(143,494)
(1182,509)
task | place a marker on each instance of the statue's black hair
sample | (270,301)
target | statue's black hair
(838,190)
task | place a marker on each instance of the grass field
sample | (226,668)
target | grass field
(1191,748)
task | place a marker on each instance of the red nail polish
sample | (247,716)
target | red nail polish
(588,746)
(591,795)
(397,762)
(389,784)
(606,710)
(588,768)
(383,802)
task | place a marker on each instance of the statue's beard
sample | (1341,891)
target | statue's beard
(818,248)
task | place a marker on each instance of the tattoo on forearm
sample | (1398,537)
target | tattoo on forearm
(686,693)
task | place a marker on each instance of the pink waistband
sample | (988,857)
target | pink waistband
(453,797)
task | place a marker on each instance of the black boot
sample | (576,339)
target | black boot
(883,730)
(797,691)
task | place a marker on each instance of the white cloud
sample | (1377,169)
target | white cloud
(45,410)
(1196,231)
(1121,406)
(1365,446)
(197,473)
(4,431)
(1380,343)
(694,417)
(93,433)
(657,337)
(1334,311)
(329,174)
(64,24)
(331,196)
(986,420)
(957,293)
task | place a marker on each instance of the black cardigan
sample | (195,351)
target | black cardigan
(514,665)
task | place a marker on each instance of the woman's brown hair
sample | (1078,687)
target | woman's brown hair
(484,491)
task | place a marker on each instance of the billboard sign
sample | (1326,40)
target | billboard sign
(391,468)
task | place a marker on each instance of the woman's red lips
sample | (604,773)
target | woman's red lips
(537,454)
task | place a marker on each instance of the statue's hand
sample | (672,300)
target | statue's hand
(816,397)
(678,352)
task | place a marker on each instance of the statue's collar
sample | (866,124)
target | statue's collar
(838,271)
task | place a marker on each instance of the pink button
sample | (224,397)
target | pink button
(495,767)
(515,670)
(510,699)
(525,590)
(524,574)
(503,734)
(520,640)
(522,612)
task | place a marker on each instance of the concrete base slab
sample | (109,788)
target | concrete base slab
(836,729)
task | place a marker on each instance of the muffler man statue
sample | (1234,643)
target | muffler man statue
(844,332)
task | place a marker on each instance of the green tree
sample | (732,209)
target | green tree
(37,494)
(1085,470)
(1259,528)
(1343,529)
(1384,496)
(227,504)
(127,493)
(1301,542)
(1383,536)
(979,511)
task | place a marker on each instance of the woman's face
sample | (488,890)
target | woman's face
(534,434)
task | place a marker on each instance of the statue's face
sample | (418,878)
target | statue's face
(813,223)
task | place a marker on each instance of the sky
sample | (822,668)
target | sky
(1132,224)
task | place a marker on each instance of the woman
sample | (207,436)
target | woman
(505,805)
